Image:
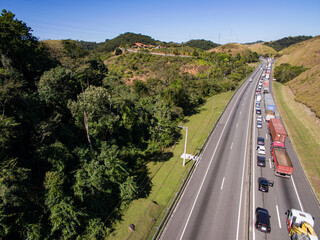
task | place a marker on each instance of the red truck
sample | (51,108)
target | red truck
(282,162)
(277,131)
(266,83)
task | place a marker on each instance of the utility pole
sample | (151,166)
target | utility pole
(185,145)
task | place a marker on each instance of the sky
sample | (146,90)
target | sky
(178,21)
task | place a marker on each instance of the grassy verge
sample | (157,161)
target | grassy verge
(304,133)
(147,213)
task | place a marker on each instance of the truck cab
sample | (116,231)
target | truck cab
(300,224)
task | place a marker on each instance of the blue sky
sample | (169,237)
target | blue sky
(169,20)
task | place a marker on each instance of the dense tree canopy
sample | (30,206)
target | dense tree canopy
(76,135)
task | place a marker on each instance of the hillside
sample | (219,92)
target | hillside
(233,49)
(283,43)
(306,88)
(261,49)
(126,39)
(305,53)
(201,43)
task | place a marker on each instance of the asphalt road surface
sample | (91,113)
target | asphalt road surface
(220,199)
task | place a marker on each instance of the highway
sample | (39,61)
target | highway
(294,192)
(220,199)
(215,202)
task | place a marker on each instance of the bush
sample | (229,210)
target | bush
(285,72)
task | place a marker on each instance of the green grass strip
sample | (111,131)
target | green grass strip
(304,132)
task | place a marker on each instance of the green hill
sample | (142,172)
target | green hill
(286,42)
(262,49)
(305,53)
(201,43)
(126,39)
(306,86)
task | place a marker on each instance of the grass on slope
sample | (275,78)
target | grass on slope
(262,49)
(306,53)
(233,49)
(304,132)
(306,88)
(147,213)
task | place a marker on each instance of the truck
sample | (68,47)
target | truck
(300,225)
(277,132)
(282,164)
(265,89)
(270,106)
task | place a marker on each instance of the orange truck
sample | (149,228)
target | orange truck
(277,132)
(282,162)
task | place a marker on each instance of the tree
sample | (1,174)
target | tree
(54,87)
(118,51)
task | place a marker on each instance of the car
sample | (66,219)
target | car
(259,124)
(258,104)
(250,80)
(260,141)
(263,184)
(259,118)
(261,150)
(261,161)
(263,220)
(258,111)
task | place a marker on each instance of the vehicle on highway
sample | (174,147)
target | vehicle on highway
(261,161)
(250,80)
(300,225)
(263,220)
(260,141)
(258,111)
(261,150)
(259,124)
(277,132)
(282,162)
(263,184)
(259,118)
(270,106)
(257,104)
(258,97)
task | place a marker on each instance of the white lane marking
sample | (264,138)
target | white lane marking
(295,189)
(270,163)
(237,124)
(231,145)
(266,135)
(278,216)
(222,183)
(206,173)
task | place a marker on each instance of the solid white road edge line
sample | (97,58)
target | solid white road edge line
(278,216)
(295,189)
(222,183)
(205,175)
(253,186)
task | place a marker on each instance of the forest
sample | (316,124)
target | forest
(76,133)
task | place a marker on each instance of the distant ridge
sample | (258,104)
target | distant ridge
(201,43)
(283,43)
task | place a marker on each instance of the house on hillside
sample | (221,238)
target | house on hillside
(140,45)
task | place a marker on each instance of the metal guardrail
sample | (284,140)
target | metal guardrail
(177,197)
